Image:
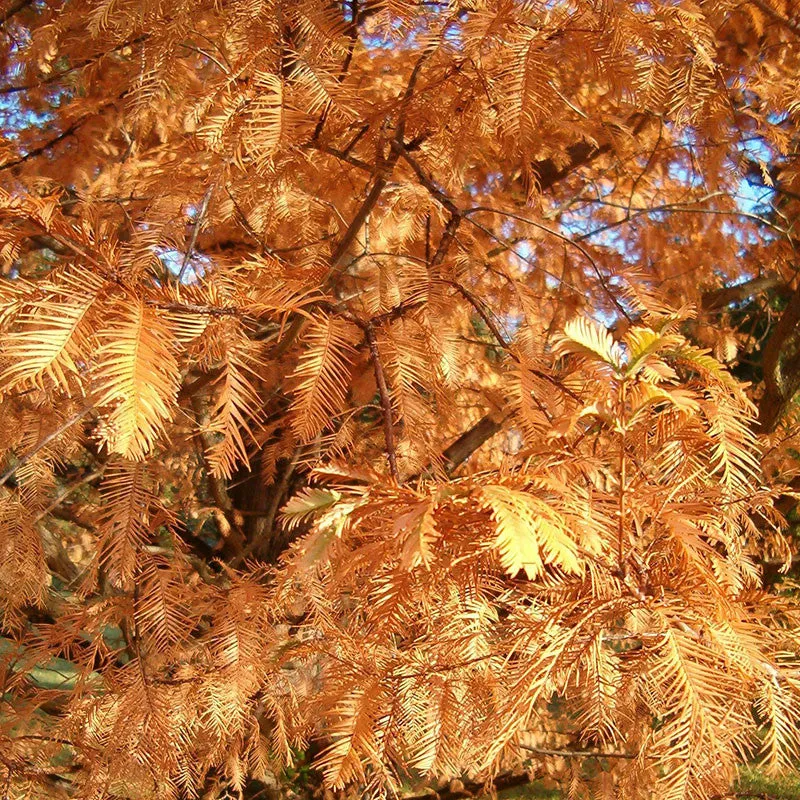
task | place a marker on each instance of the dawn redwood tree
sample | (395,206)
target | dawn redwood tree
(406,383)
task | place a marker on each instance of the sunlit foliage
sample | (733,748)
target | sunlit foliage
(406,384)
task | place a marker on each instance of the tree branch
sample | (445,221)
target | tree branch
(201,215)
(469,441)
(13,9)
(545,751)
(781,381)
(228,519)
(720,298)
(371,200)
(448,237)
(37,151)
(484,314)
(386,401)
(790,24)
(547,173)
(14,89)
(11,471)
(65,134)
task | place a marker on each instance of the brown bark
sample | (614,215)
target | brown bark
(781,367)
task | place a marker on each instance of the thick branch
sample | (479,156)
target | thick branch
(469,441)
(781,380)
(343,248)
(547,173)
(13,9)
(566,753)
(719,298)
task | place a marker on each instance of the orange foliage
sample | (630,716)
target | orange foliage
(408,381)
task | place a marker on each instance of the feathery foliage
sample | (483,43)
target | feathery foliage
(402,390)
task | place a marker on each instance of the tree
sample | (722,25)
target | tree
(408,381)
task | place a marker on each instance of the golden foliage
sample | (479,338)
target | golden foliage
(413,379)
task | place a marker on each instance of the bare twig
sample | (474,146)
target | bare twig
(386,401)
(546,751)
(11,471)
(457,214)
(567,240)
(633,213)
(198,223)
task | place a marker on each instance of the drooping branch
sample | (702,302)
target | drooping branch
(459,789)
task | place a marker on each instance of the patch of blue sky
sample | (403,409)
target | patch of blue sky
(754,197)
(388,40)
(173,262)
(376,41)
(15,119)
(15,116)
